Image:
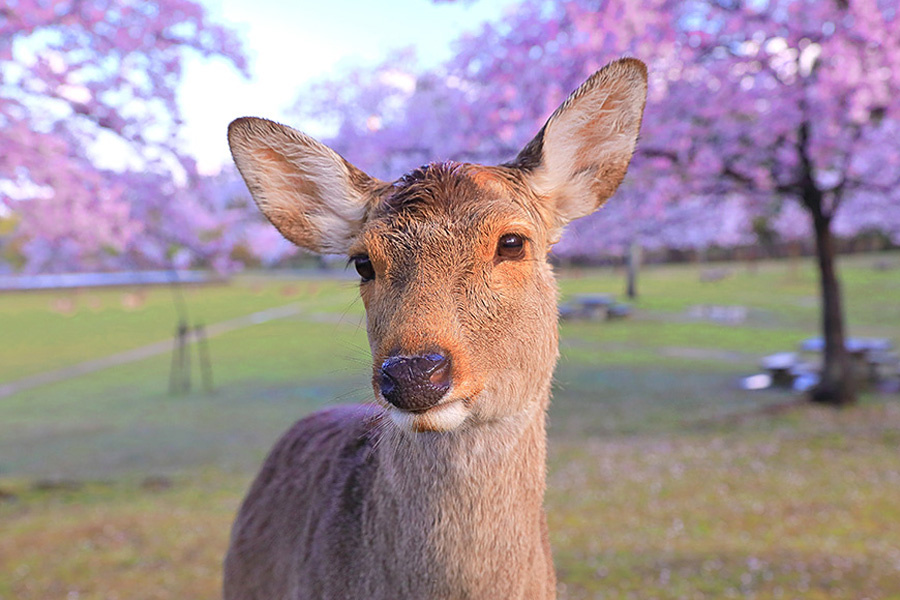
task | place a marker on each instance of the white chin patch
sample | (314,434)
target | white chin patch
(445,417)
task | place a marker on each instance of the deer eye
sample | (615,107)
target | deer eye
(363,267)
(511,247)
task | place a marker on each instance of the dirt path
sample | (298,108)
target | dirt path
(136,354)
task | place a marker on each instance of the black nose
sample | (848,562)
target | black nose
(415,383)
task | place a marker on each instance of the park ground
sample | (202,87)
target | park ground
(665,480)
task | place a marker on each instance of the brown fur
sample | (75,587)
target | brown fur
(375,502)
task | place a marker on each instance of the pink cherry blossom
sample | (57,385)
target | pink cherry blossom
(78,75)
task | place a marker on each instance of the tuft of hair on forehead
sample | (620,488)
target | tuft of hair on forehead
(458,189)
(441,182)
(429,171)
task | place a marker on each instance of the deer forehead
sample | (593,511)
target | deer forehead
(450,207)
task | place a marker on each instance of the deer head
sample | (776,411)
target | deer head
(460,299)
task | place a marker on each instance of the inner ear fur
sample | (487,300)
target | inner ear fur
(580,156)
(314,197)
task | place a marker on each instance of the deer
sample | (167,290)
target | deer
(434,490)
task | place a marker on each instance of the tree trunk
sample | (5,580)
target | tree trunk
(837,385)
(634,261)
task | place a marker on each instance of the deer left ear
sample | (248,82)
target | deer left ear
(580,156)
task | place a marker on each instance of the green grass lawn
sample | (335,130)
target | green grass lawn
(45,330)
(665,480)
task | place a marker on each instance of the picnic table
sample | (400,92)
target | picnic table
(788,370)
(593,307)
(874,358)
(781,367)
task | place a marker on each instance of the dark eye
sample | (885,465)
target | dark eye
(363,267)
(511,247)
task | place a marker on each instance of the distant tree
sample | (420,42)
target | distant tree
(795,100)
(89,131)
(753,105)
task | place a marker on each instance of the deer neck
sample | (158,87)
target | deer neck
(471,500)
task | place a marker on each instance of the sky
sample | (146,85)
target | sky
(291,43)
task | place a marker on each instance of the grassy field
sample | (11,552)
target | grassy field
(665,480)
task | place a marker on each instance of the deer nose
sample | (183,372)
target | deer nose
(415,383)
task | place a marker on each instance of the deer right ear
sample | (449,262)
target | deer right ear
(580,156)
(315,198)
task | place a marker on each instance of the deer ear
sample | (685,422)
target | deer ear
(314,197)
(580,156)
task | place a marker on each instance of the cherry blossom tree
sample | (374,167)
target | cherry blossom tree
(801,98)
(90,163)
